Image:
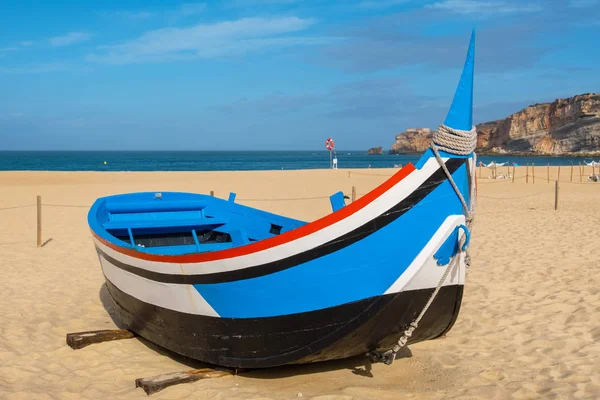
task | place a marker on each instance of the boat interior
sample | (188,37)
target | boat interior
(175,223)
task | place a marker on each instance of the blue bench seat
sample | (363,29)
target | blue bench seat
(191,223)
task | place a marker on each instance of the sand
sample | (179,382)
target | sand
(528,327)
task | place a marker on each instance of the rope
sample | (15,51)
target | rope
(363,174)
(290,199)
(455,142)
(513,198)
(65,206)
(12,208)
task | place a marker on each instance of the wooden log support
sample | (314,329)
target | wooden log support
(80,340)
(39,221)
(513,177)
(159,382)
(580,173)
(353,194)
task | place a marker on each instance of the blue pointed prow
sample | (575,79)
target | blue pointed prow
(460,115)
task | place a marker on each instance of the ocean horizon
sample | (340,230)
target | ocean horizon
(227,160)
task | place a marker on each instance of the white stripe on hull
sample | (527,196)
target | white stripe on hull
(423,272)
(386,201)
(178,297)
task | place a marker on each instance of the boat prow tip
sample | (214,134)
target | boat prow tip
(460,115)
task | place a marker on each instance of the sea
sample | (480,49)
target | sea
(225,160)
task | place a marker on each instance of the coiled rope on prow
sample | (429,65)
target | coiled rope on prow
(461,143)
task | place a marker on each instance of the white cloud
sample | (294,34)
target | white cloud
(188,9)
(8,49)
(18,46)
(11,116)
(69,39)
(208,40)
(184,10)
(583,3)
(482,7)
(134,15)
(34,69)
(258,3)
(375,4)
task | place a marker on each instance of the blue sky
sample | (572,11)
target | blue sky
(276,74)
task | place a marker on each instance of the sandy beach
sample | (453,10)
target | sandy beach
(528,326)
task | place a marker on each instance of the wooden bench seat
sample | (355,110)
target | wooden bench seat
(182,223)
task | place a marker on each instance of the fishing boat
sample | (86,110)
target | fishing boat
(235,286)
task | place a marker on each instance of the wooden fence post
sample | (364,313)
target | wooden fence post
(580,173)
(571,171)
(353,193)
(548,172)
(527,174)
(39,221)
(558,177)
(533,171)
(480,169)
(513,177)
(556,195)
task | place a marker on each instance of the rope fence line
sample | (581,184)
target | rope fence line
(65,205)
(513,198)
(352,197)
(287,199)
(12,208)
(363,174)
(490,181)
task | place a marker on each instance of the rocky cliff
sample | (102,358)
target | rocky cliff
(564,126)
(413,140)
(375,151)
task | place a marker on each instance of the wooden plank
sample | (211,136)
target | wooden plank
(157,383)
(78,340)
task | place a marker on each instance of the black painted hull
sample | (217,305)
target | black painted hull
(333,333)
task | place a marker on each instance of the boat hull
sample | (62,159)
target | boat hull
(328,334)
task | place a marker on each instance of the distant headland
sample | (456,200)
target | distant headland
(569,126)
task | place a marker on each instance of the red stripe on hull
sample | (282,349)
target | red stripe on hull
(286,237)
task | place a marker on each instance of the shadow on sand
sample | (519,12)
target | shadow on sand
(359,365)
